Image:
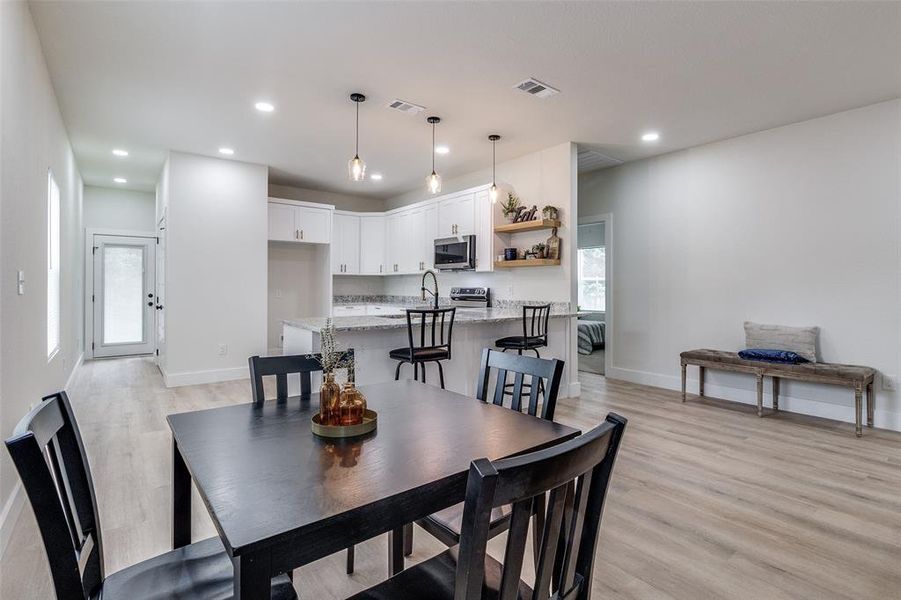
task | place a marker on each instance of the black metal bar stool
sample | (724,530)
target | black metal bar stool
(534,336)
(436,328)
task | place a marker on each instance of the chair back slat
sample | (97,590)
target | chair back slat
(577,475)
(534,321)
(436,328)
(544,384)
(48,453)
(516,549)
(282,366)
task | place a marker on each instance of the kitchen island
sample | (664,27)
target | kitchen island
(384,328)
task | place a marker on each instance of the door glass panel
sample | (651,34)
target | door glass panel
(123,294)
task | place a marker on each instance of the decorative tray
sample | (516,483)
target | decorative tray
(370,420)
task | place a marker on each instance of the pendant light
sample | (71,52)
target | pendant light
(433,181)
(356,168)
(492,191)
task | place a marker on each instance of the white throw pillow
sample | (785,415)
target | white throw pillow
(800,340)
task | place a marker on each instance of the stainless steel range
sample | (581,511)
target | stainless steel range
(470,297)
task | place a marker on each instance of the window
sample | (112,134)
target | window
(593,278)
(53,265)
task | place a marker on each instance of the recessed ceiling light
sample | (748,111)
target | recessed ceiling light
(442,149)
(120,180)
(651,136)
(120,152)
(226,151)
(376,176)
(264,107)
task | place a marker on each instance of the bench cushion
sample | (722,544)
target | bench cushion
(810,371)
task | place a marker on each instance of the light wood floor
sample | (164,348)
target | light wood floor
(707,500)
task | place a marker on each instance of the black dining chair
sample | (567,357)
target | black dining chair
(282,366)
(573,476)
(48,453)
(445,525)
(534,331)
(433,344)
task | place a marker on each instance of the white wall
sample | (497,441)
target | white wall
(216,267)
(292,268)
(797,225)
(339,201)
(109,208)
(541,178)
(34,139)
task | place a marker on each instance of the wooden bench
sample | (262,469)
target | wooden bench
(856,377)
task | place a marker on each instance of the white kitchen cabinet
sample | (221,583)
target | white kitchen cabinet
(297,223)
(348,311)
(373,242)
(430,227)
(281,222)
(313,224)
(394,244)
(456,215)
(346,241)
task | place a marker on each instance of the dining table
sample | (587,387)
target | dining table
(281,497)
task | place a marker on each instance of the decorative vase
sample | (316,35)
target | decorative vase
(352,405)
(553,245)
(509,217)
(329,400)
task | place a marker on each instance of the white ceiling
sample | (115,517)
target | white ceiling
(153,76)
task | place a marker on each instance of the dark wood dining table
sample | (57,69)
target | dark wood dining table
(281,497)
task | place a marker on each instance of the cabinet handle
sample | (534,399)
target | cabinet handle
(380,268)
(296,234)
(301,234)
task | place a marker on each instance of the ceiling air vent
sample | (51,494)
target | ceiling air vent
(591,160)
(536,88)
(406,107)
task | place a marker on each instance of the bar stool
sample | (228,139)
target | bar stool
(534,331)
(534,336)
(436,328)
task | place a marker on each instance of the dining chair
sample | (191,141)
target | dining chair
(445,525)
(281,367)
(436,330)
(48,453)
(573,475)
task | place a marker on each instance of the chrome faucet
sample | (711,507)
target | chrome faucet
(424,290)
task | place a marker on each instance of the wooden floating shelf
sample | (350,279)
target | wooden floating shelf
(532,262)
(527,226)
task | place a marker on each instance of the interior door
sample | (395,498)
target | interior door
(124,295)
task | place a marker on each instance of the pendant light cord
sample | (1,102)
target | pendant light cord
(493,162)
(357,133)
(433,148)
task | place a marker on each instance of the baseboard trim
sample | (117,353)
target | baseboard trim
(10,516)
(200,377)
(883,419)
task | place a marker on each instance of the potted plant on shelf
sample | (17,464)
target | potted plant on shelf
(550,212)
(509,207)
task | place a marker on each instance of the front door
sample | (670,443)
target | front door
(124,299)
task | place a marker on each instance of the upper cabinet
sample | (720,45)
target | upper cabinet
(373,246)
(345,244)
(456,215)
(295,222)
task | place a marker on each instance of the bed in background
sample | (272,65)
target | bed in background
(591,336)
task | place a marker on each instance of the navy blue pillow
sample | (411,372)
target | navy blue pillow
(774,356)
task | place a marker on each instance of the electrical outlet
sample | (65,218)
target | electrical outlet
(223,350)
(889,382)
(20,282)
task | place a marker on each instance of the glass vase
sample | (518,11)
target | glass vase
(352,405)
(329,400)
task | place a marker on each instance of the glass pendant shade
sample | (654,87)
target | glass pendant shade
(433,182)
(492,193)
(356,169)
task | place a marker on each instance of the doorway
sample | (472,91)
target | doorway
(123,295)
(593,263)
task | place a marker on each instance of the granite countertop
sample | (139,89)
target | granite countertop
(464,316)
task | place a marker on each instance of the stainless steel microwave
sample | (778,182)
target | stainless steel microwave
(456,253)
